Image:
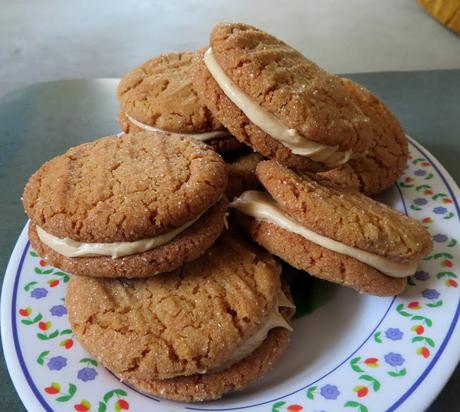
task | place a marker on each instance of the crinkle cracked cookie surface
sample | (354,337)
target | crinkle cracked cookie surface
(299,93)
(320,262)
(187,246)
(385,159)
(124,189)
(201,387)
(348,217)
(178,323)
(160,93)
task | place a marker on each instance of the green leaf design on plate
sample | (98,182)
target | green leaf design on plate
(47,271)
(41,358)
(43,336)
(374,382)
(102,407)
(377,338)
(359,406)
(428,322)
(420,187)
(354,364)
(90,361)
(277,405)
(397,374)
(448,274)
(401,311)
(452,243)
(311,392)
(65,276)
(66,332)
(108,396)
(438,256)
(71,391)
(29,286)
(435,304)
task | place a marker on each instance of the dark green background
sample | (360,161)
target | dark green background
(43,120)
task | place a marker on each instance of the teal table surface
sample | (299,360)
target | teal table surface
(41,121)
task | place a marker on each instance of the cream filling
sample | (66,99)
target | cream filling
(275,320)
(261,206)
(72,248)
(202,137)
(329,155)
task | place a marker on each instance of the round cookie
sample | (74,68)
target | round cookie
(124,190)
(242,174)
(281,81)
(334,234)
(321,262)
(385,160)
(348,217)
(159,94)
(183,326)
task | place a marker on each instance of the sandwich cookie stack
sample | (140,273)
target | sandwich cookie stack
(135,220)
(133,207)
(191,310)
(210,327)
(337,235)
(290,110)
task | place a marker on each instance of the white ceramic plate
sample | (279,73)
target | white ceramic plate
(351,353)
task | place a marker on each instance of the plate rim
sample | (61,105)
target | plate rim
(27,392)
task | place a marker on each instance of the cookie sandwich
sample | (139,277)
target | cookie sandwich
(210,327)
(385,160)
(132,206)
(275,100)
(336,235)
(159,96)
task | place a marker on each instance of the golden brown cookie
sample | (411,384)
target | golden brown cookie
(242,174)
(194,321)
(125,196)
(321,262)
(159,94)
(334,234)
(300,95)
(348,217)
(210,386)
(385,160)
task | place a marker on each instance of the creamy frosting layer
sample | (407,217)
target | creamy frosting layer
(72,248)
(202,137)
(261,206)
(261,117)
(275,320)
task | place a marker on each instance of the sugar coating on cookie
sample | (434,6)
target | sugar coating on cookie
(311,104)
(190,321)
(385,160)
(160,93)
(319,261)
(211,386)
(348,217)
(125,189)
